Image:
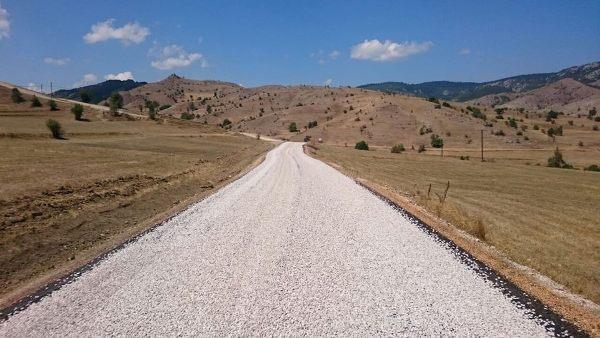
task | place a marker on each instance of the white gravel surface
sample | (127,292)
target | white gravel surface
(292,248)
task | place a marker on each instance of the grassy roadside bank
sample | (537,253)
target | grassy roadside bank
(543,218)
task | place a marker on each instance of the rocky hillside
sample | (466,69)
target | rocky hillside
(588,74)
(566,95)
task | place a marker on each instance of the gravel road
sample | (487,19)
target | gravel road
(292,248)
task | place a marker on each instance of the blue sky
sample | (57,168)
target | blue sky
(284,42)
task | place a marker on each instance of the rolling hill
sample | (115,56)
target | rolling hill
(588,74)
(343,116)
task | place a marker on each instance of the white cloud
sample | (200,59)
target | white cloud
(130,33)
(464,51)
(328,82)
(88,79)
(56,62)
(33,86)
(119,76)
(4,23)
(175,56)
(334,54)
(374,50)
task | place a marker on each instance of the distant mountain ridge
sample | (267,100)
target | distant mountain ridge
(588,74)
(100,91)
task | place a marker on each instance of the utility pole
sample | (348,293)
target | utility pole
(41,88)
(51,92)
(481,145)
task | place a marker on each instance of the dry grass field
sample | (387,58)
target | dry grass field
(62,202)
(544,218)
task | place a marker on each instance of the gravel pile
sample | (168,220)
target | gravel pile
(292,248)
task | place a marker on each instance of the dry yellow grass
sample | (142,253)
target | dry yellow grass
(544,218)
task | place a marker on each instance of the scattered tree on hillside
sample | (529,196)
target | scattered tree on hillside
(226,124)
(555,131)
(77,111)
(436,141)
(361,145)
(115,102)
(187,116)
(557,161)
(55,128)
(293,127)
(398,148)
(35,102)
(16,96)
(52,104)
(551,115)
(151,105)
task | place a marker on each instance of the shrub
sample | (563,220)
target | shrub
(592,113)
(115,102)
(464,158)
(77,111)
(55,128)
(557,161)
(436,141)
(293,127)
(512,122)
(437,106)
(446,104)
(187,116)
(595,128)
(499,133)
(398,148)
(592,167)
(558,131)
(152,105)
(361,145)
(551,115)
(164,106)
(433,99)
(35,102)
(536,127)
(16,96)
(226,124)
(52,104)
(191,106)
(312,124)
(421,148)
